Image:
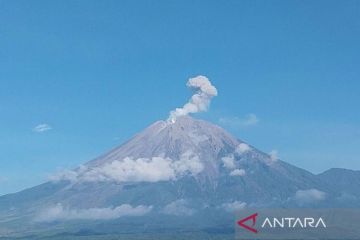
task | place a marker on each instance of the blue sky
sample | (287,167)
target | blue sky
(98,72)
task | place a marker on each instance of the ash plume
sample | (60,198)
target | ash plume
(200,101)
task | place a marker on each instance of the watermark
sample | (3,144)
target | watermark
(298,224)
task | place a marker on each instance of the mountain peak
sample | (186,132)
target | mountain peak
(172,139)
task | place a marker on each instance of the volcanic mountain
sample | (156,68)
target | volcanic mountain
(187,175)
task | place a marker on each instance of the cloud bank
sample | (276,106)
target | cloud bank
(200,101)
(60,213)
(153,169)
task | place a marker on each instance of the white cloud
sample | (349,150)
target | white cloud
(42,128)
(132,170)
(274,155)
(188,162)
(60,213)
(249,120)
(242,148)
(135,170)
(200,101)
(309,196)
(238,172)
(233,206)
(178,208)
(228,162)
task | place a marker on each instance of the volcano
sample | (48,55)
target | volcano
(187,175)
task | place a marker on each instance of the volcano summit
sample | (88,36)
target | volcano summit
(187,175)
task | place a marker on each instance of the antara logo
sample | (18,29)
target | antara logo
(292,222)
(285,222)
(247,227)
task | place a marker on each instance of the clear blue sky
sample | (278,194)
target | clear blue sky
(99,71)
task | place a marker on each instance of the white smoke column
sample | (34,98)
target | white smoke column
(200,101)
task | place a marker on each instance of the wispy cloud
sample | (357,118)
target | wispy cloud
(43,127)
(238,172)
(233,206)
(236,122)
(61,213)
(309,196)
(178,208)
(274,155)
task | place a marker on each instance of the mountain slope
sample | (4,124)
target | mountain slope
(172,175)
(346,183)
